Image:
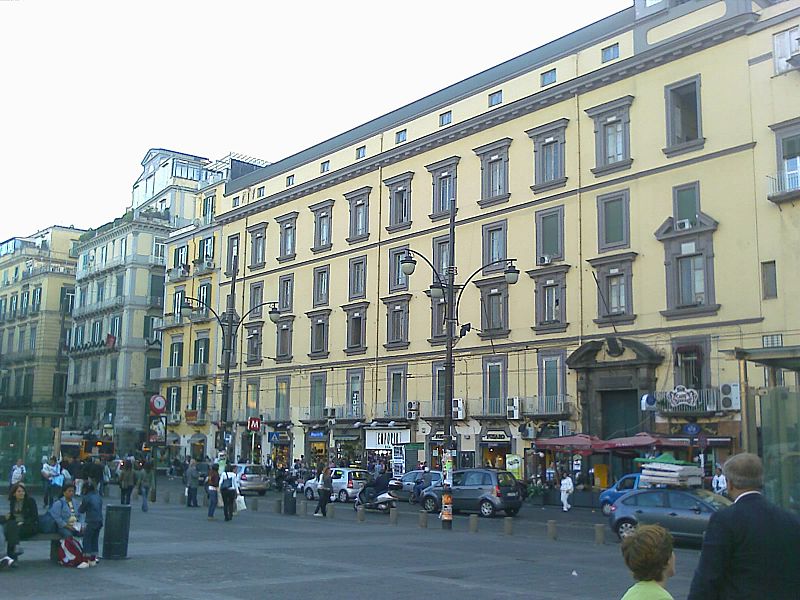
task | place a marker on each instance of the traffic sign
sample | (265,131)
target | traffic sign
(157,404)
(253,424)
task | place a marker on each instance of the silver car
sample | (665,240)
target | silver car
(346,484)
(252,478)
(409,480)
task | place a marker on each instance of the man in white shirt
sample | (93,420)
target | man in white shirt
(718,483)
(567,487)
(18,472)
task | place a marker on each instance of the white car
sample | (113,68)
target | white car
(346,484)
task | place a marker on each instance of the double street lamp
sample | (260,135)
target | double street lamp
(446,288)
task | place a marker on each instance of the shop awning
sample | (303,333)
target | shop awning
(173,439)
(197,438)
(780,357)
(645,440)
(578,442)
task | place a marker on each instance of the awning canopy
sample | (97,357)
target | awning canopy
(578,442)
(197,438)
(645,440)
(782,357)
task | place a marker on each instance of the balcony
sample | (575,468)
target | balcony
(203,267)
(493,407)
(200,315)
(165,373)
(784,186)
(17,357)
(173,418)
(199,417)
(395,411)
(44,269)
(198,370)
(315,413)
(546,406)
(16,402)
(348,412)
(176,274)
(689,402)
(155,302)
(92,348)
(100,267)
(103,305)
(171,320)
(158,261)
(279,413)
(432,410)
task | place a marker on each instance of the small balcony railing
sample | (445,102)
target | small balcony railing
(198,370)
(395,410)
(178,273)
(784,186)
(203,266)
(279,413)
(165,373)
(494,407)
(200,315)
(546,406)
(688,401)
(196,417)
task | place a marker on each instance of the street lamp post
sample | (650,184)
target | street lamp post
(447,289)
(230,324)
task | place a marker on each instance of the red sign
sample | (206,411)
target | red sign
(157,404)
(254,424)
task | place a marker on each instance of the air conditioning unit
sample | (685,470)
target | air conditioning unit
(412,415)
(209,264)
(683,224)
(512,408)
(459,412)
(565,428)
(412,405)
(730,397)
(330,412)
(648,402)
(545,260)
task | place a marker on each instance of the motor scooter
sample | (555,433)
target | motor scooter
(383,502)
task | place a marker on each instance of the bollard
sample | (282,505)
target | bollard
(331,511)
(278,508)
(361,514)
(393,516)
(302,508)
(552,533)
(599,534)
(253,504)
(166,497)
(423,519)
(508,525)
(473,523)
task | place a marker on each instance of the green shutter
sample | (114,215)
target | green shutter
(791,147)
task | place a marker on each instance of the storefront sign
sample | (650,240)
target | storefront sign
(692,429)
(496,436)
(384,439)
(355,402)
(683,396)
(415,446)
(316,435)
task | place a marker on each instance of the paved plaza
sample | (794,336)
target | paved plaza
(176,553)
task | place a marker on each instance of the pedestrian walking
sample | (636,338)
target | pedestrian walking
(751,548)
(567,487)
(17,474)
(648,554)
(213,490)
(229,487)
(92,509)
(21,522)
(147,481)
(102,488)
(718,483)
(324,488)
(192,483)
(127,481)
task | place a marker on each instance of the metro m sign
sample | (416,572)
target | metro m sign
(253,424)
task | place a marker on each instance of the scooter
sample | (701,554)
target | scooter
(382,502)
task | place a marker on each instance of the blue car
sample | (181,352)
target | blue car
(616,491)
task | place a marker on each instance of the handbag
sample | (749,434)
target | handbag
(186,492)
(240,504)
(227,483)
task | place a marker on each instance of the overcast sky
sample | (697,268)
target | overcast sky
(89,86)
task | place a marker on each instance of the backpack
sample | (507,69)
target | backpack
(70,552)
(227,483)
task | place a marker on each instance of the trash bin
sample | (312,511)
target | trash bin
(116,532)
(289,502)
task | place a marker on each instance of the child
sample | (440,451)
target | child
(648,554)
(92,507)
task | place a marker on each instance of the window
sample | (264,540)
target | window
(282,396)
(438,316)
(494,307)
(615,289)
(613,221)
(550,285)
(494,172)
(358,278)
(25,297)
(445,118)
(322,225)
(359,214)
(115,327)
(324,166)
(233,255)
(207,211)
(684,124)
(550,235)
(441,257)
(686,205)
(786,44)
(396,390)
(552,376)
(397,279)
(180,257)
(287,225)
(176,354)
(174,400)
(199,396)
(283,346)
(399,201)
(356,327)
(786,184)
(494,385)
(400,136)
(443,176)
(549,151)
(548,77)
(32,336)
(119,286)
(254,338)
(496,98)
(286,292)
(260,192)
(321,285)
(178,300)
(318,394)
(97,331)
(691,280)
(690,368)
(609,53)
(494,246)
(235,201)
(355,393)
(397,321)
(289,180)
(319,333)
(438,388)
(256,300)
(206,249)
(361,152)
(258,245)
(201,351)
(769,280)
(612,135)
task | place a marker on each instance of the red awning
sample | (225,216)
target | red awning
(579,441)
(645,440)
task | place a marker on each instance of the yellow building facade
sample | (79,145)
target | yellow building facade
(641,174)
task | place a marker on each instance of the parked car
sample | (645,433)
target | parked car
(486,491)
(618,490)
(683,512)
(410,479)
(346,483)
(252,478)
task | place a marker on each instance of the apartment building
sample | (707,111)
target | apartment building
(116,339)
(641,173)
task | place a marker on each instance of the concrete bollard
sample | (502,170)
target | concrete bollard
(278,506)
(361,514)
(473,523)
(508,525)
(393,515)
(253,504)
(166,497)
(552,532)
(331,511)
(599,534)
(423,519)
(302,508)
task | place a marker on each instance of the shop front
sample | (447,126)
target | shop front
(250,448)
(198,446)
(316,447)
(494,445)
(348,447)
(280,448)
(379,442)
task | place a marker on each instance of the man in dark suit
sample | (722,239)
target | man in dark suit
(752,548)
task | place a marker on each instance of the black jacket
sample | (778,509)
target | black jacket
(30,514)
(751,551)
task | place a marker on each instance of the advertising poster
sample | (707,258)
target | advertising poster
(398,461)
(514,466)
(157,436)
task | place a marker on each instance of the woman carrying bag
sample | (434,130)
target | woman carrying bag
(324,488)
(229,487)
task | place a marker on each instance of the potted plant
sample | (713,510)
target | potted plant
(536,493)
